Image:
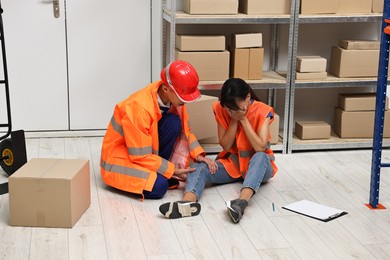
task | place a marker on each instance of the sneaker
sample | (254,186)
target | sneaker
(236,209)
(173,184)
(180,209)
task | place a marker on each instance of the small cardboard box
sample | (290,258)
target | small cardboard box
(359,45)
(358,124)
(240,63)
(49,193)
(211,6)
(377,6)
(306,130)
(247,40)
(354,6)
(311,64)
(265,6)
(201,117)
(211,65)
(318,6)
(359,101)
(256,58)
(247,63)
(354,63)
(274,129)
(311,75)
(200,42)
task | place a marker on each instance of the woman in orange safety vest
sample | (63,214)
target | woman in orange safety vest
(243,131)
(148,144)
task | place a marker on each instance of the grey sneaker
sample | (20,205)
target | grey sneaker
(236,209)
(180,209)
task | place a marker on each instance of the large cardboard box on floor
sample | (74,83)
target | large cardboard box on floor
(309,130)
(211,6)
(359,101)
(311,64)
(358,124)
(377,6)
(265,6)
(318,7)
(49,193)
(359,44)
(354,63)
(200,42)
(210,65)
(201,117)
(354,6)
(247,40)
(274,129)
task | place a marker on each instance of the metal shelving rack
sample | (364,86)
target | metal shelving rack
(330,82)
(272,81)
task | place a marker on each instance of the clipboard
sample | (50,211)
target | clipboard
(315,210)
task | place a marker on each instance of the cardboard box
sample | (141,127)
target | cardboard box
(247,40)
(358,124)
(354,6)
(256,58)
(311,64)
(377,6)
(359,45)
(209,65)
(274,129)
(49,193)
(240,63)
(318,6)
(200,42)
(201,117)
(265,6)
(359,101)
(311,75)
(306,130)
(354,63)
(210,6)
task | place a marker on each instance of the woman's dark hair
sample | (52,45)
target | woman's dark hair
(233,90)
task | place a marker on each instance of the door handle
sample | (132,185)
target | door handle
(56,8)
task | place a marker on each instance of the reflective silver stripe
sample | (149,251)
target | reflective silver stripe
(117,127)
(194,145)
(268,145)
(246,154)
(154,151)
(234,159)
(271,157)
(163,167)
(124,170)
(140,151)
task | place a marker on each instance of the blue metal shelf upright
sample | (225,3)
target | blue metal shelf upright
(380,110)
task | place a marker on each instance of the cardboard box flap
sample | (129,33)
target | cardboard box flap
(359,44)
(55,168)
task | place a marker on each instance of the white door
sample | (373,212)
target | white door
(36,55)
(109,51)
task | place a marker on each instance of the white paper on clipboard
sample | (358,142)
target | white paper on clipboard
(315,210)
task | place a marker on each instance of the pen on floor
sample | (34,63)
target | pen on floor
(273,206)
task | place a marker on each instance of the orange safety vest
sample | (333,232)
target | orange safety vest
(129,159)
(236,161)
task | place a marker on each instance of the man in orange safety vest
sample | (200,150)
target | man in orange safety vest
(148,144)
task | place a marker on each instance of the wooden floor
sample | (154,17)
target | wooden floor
(119,226)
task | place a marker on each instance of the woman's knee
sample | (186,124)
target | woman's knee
(260,156)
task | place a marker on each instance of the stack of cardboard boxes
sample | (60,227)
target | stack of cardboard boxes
(247,56)
(311,67)
(354,116)
(355,59)
(207,53)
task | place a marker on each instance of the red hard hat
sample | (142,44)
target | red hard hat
(182,78)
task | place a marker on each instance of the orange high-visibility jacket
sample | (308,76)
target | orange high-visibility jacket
(236,161)
(129,159)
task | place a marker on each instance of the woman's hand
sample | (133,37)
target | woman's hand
(212,165)
(238,115)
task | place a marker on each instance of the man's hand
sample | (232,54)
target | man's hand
(212,165)
(181,174)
